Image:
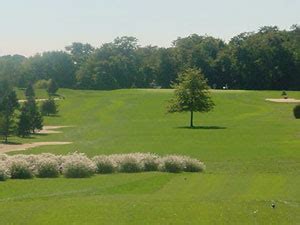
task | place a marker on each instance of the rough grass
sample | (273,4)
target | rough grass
(250,148)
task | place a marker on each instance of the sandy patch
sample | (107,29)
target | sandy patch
(22,147)
(282,100)
(52,129)
(38,100)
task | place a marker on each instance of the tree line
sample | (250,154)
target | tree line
(266,59)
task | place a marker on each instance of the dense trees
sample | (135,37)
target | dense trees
(266,59)
(191,94)
(30,118)
(8,105)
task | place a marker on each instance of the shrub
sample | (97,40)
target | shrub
(129,163)
(193,165)
(42,84)
(4,171)
(3,157)
(297,111)
(150,162)
(105,164)
(172,164)
(77,165)
(20,169)
(49,107)
(47,168)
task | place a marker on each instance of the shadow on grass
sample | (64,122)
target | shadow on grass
(10,143)
(203,128)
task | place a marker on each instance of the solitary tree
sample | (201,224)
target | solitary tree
(191,94)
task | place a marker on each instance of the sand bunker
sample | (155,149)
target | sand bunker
(51,129)
(282,100)
(38,100)
(21,147)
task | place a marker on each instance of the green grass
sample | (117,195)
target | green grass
(250,146)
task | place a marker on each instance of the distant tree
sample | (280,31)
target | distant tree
(191,94)
(30,118)
(79,53)
(35,116)
(52,88)
(8,105)
(49,107)
(24,123)
(29,91)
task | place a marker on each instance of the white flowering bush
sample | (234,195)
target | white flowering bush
(105,164)
(193,165)
(4,171)
(150,162)
(172,164)
(19,168)
(47,168)
(129,163)
(77,165)
(3,157)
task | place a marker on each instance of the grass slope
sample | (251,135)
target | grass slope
(250,147)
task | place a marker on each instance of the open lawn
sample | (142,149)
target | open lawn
(251,148)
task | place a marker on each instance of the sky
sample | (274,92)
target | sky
(28,27)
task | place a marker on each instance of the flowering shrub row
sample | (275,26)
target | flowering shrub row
(78,165)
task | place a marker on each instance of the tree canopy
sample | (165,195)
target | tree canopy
(266,59)
(191,94)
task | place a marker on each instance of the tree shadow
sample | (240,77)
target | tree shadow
(203,128)
(10,143)
(38,134)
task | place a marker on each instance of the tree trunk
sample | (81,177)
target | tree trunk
(192,118)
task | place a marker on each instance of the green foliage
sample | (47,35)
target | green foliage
(130,164)
(297,111)
(105,164)
(8,105)
(20,169)
(49,107)
(191,94)
(42,84)
(52,88)
(266,59)
(29,91)
(30,118)
(47,168)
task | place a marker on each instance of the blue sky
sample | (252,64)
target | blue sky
(31,26)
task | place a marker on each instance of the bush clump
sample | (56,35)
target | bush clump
(78,165)
(20,169)
(129,163)
(150,162)
(4,171)
(172,164)
(47,168)
(193,165)
(297,111)
(105,164)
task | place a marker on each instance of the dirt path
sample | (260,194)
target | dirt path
(52,129)
(38,100)
(282,100)
(22,147)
